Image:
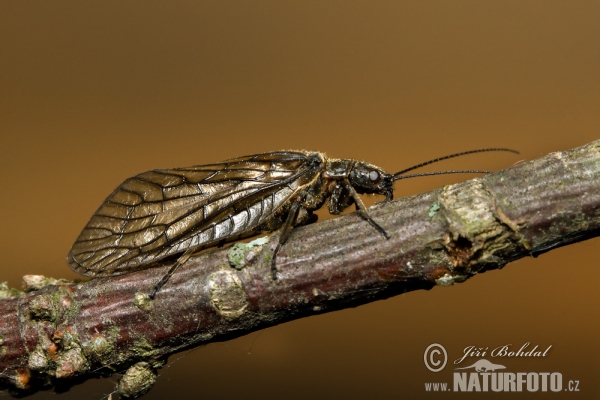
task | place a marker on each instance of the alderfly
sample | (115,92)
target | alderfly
(167,212)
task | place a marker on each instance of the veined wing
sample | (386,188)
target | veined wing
(164,212)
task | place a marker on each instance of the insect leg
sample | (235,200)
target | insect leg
(180,261)
(285,233)
(362,210)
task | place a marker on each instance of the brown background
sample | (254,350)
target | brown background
(91,95)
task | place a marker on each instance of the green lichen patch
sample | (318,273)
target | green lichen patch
(435,207)
(143,348)
(445,280)
(143,302)
(42,357)
(37,282)
(38,359)
(238,253)
(137,381)
(8,293)
(69,308)
(44,307)
(101,346)
(71,362)
(236,256)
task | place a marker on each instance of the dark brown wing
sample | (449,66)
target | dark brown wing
(164,212)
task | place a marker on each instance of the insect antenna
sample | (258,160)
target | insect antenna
(462,153)
(460,171)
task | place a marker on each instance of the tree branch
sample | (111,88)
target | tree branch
(54,334)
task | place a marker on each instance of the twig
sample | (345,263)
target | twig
(57,334)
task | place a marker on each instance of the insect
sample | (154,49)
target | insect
(167,212)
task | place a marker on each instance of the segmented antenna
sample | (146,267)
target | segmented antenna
(399,175)
(457,171)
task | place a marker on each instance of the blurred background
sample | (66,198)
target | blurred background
(93,94)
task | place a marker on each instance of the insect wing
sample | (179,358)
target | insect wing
(164,212)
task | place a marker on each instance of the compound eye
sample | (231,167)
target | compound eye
(374,176)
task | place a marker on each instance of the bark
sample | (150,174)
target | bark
(58,331)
